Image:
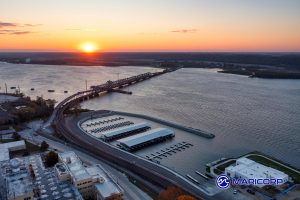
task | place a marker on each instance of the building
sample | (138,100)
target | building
(27,178)
(71,168)
(10,146)
(249,169)
(124,131)
(105,187)
(144,139)
(7,133)
(92,181)
(18,181)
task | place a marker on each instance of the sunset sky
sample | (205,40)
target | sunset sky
(150,25)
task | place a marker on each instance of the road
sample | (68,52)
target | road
(131,192)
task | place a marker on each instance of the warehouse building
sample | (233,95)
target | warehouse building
(139,141)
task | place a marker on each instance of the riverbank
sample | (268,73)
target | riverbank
(261,65)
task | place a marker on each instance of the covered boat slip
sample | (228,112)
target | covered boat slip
(139,141)
(124,131)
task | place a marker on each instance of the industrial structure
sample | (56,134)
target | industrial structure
(249,169)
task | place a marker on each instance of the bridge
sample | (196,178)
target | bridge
(144,168)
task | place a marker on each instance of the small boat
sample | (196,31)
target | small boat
(51,90)
(13,88)
(65,91)
(32,89)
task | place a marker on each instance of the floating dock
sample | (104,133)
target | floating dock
(170,150)
(202,175)
(191,178)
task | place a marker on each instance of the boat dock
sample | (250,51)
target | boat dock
(191,178)
(169,151)
(202,175)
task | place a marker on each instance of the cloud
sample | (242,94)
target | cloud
(9,28)
(7,24)
(21,32)
(185,31)
(33,25)
(15,32)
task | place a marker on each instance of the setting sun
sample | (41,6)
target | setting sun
(89,47)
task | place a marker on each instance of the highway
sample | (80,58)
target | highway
(148,170)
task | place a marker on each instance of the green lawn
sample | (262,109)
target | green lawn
(295,176)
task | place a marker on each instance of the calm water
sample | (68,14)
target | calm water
(245,114)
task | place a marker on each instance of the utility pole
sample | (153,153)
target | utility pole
(5,88)
(85,84)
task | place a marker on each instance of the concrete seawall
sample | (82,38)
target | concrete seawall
(164,122)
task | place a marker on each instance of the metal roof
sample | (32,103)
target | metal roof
(145,137)
(121,130)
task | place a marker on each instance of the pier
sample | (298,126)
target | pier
(168,151)
(200,174)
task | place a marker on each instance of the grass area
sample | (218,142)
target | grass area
(226,164)
(295,176)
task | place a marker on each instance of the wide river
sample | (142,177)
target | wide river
(245,114)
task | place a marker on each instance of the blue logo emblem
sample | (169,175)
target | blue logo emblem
(223,181)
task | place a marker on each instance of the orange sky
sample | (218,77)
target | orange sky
(135,25)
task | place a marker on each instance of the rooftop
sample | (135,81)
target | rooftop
(251,169)
(146,136)
(107,186)
(121,130)
(20,181)
(10,146)
(7,131)
(74,165)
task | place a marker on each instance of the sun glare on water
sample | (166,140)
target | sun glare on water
(89,47)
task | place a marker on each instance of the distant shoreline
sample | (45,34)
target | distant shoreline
(270,66)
